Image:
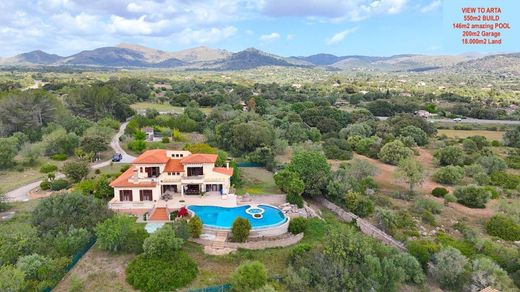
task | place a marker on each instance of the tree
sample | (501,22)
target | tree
(419,136)
(449,267)
(313,170)
(11,279)
(393,152)
(492,163)
(503,227)
(31,152)
(93,144)
(512,137)
(8,151)
(337,149)
(450,155)
(163,241)
(195,225)
(240,229)
(358,204)
(76,170)
(17,239)
(120,233)
(200,148)
(249,276)
(59,213)
(411,172)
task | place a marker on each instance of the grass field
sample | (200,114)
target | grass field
(257,181)
(490,135)
(163,107)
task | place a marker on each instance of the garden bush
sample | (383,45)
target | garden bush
(359,204)
(503,227)
(195,225)
(59,157)
(152,274)
(440,192)
(505,180)
(45,185)
(422,250)
(162,242)
(165,140)
(48,167)
(121,233)
(240,229)
(449,175)
(249,276)
(297,225)
(472,196)
(58,184)
(182,229)
(295,199)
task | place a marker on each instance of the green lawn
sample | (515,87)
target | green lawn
(257,181)
(113,168)
(163,107)
(490,135)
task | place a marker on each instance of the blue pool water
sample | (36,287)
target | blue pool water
(222,217)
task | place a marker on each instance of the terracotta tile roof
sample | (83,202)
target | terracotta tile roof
(199,158)
(223,170)
(122,181)
(152,156)
(174,165)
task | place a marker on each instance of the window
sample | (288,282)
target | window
(145,195)
(125,195)
(195,171)
(152,171)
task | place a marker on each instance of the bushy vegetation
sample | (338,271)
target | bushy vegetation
(503,227)
(240,229)
(440,192)
(472,196)
(449,175)
(121,233)
(297,225)
(249,276)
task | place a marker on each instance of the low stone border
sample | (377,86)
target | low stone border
(37,193)
(256,244)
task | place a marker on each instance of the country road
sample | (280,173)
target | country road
(21,193)
(468,121)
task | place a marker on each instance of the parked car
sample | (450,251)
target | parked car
(457,119)
(117,157)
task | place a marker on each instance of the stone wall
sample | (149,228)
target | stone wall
(363,225)
(285,241)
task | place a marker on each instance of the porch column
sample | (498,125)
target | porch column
(182,190)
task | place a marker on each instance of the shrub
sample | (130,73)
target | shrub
(449,175)
(182,229)
(165,140)
(451,155)
(496,143)
(472,196)
(161,274)
(422,205)
(240,229)
(195,225)
(449,267)
(449,198)
(120,233)
(358,204)
(48,167)
(419,136)
(76,170)
(295,199)
(97,171)
(422,250)
(503,227)
(162,242)
(505,180)
(58,184)
(59,157)
(45,185)
(249,276)
(297,225)
(337,149)
(492,163)
(11,279)
(440,192)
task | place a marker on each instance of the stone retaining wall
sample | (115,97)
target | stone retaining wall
(254,245)
(363,225)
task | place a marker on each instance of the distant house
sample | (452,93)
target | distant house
(149,133)
(423,114)
(162,86)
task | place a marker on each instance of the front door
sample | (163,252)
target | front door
(192,189)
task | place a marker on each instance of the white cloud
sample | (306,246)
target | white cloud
(205,36)
(434,5)
(340,36)
(137,26)
(270,37)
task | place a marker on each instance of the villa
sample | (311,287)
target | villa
(171,179)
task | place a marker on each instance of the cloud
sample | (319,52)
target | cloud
(332,10)
(340,36)
(269,37)
(205,36)
(434,5)
(290,37)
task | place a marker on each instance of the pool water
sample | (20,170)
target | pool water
(222,217)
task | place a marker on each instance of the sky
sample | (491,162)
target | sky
(286,28)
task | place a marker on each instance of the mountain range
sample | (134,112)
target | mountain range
(204,58)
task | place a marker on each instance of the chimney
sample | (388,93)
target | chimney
(227,164)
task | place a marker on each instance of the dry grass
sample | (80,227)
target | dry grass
(490,135)
(98,271)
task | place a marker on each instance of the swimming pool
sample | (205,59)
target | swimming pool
(223,217)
